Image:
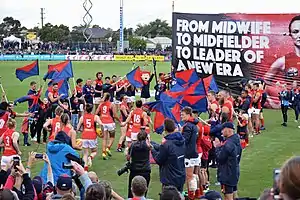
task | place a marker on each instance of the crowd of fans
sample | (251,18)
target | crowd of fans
(184,156)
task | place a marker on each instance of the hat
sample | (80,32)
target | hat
(64,182)
(228,125)
(212,195)
(38,184)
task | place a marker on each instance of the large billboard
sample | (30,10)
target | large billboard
(234,47)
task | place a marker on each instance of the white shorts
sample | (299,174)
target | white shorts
(7,159)
(97,100)
(250,111)
(134,136)
(89,144)
(109,127)
(117,102)
(128,139)
(199,159)
(256,111)
(191,162)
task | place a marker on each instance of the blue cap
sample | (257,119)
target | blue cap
(212,195)
(228,125)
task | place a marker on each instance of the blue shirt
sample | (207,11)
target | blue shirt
(88,91)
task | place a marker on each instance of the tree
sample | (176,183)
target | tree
(10,26)
(154,28)
(158,46)
(76,34)
(137,44)
(115,35)
(50,33)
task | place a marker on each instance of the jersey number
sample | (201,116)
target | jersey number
(57,127)
(2,123)
(104,109)
(88,123)
(7,141)
(136,118)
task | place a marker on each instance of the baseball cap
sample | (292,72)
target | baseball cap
(38,184)
(212,195)
(64,182)
(228,125)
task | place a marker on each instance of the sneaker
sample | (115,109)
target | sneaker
(89,161)
(119,150)
(262,128)
(108,152)
(296,121)
(34,139)
(284,124)
(27,145)
(104,156)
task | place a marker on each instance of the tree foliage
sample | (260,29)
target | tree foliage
(50,33)
(154,28)
(10,26)
(137,44)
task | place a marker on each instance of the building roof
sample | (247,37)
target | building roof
(97,32)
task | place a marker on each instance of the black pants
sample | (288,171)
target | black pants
(296,108)
(132,174)
(39,130)
(284,110)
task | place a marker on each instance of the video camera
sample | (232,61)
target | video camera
(124,169)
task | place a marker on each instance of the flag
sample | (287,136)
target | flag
(63,87)
(210,84)
(164,110)
(186,77)
(27,71)
(59,71)
(174,94)
(35,101)
(135,77)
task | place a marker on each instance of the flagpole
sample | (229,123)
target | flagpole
(74,85)
(70,95)
(5,97)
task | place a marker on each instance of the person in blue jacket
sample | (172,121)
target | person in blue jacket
(170,157)
(57,151)
(229,155)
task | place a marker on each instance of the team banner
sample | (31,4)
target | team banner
(236,47)
(138,58)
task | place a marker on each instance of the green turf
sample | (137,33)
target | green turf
(266,151)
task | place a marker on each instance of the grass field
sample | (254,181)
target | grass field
(266,151)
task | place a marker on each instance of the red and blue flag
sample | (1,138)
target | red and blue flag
(186,77)
(63,87)
(35,101)
(210,84)
(27,71)
(59,71)
(164,110)
(135,78)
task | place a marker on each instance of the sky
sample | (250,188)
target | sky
(105,13)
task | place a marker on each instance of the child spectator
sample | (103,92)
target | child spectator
(66,108)
(242,129)
(75,109)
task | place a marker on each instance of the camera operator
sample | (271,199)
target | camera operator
(284,97)
(138,154)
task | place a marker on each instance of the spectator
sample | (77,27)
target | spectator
(212,195)
(88,91)
(95,191)
(170,193)
(289,181)
(68,197)
(57,151)
(284,99)
(160,87)
(228,158)
(140,162)
(109,88)
(108,189)
(43,114)
(139,188)
(63,186)
(170,157)
(75,109)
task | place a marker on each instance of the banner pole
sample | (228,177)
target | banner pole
(69,94)
(5,97)
(74,86)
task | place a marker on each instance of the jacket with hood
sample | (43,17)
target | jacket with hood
(140,161)
(57,151)
(228,158)
(170,158)
(190,132)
